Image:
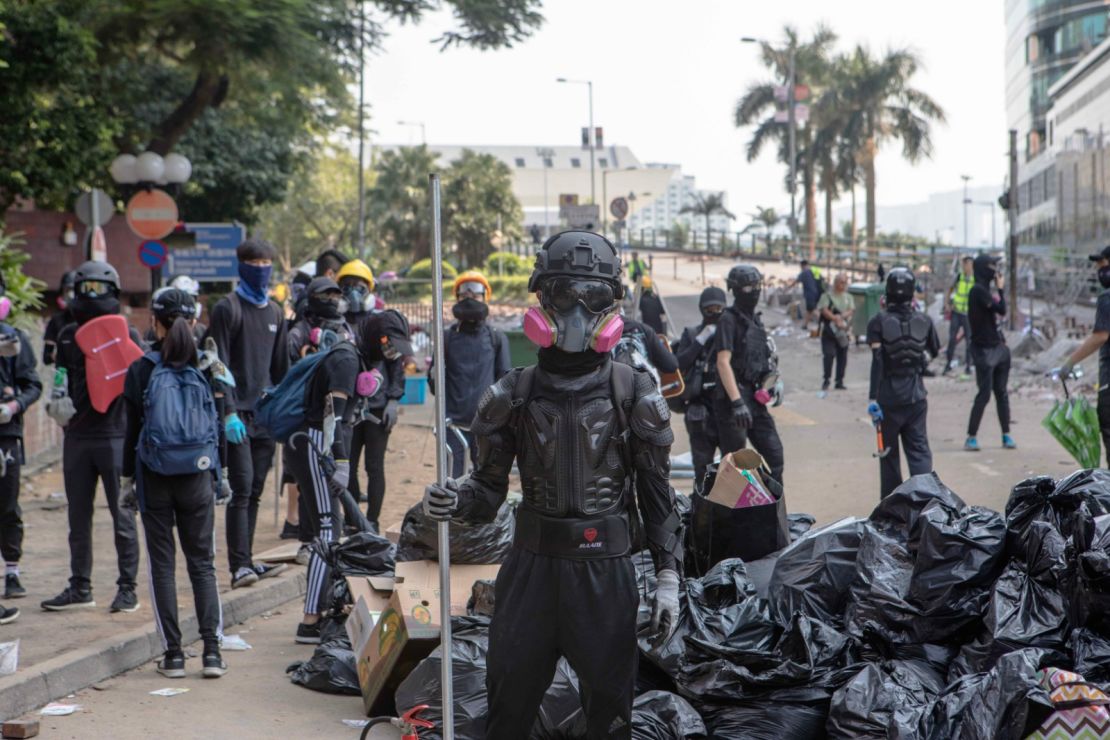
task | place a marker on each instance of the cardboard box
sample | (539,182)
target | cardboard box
(370,595)
(731,488)
(393,533)
(408,628)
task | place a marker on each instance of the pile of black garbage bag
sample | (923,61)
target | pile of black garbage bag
(930,619)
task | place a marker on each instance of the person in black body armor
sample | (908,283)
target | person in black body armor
(747,366)
(60,318)
(697,359)
(592,440)
(902,342)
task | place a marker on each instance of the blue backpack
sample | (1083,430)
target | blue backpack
(181,429)
(281,408)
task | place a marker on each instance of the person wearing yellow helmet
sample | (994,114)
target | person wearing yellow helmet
(356,280)
(475,356)
(651,306)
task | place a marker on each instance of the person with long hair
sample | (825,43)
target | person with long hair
(171,458)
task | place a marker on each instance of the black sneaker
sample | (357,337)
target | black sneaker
(214,665)
(172,665)
(8,615)
(13,589)
(290,531)
(69,599)
(244,577)
(265,570)
(825,385)
(125,601)
(308,634)
(841,387)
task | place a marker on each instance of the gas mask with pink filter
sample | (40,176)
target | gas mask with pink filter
(575,314)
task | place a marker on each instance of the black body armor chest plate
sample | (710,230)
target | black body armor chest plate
(759,361)
(569,447)
(904,340)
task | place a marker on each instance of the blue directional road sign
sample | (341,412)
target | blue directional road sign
(152,254)
(213,257)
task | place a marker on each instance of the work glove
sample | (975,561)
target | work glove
(776,393)
(127,497)
(223,493)
(61,410)
(1065,371)
(8,411)
(389,414)
(9,345)
(741,413)
(341,478)
(441,501)
(706,334)
(875,411)
(235,429)
(664,611)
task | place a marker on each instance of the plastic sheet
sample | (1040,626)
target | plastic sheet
(475,544)
(813,574)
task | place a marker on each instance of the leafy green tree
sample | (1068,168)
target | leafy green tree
(479,202)
(399,204)
(25,292)
(679,235)
(708,206)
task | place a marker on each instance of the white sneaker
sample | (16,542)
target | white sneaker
(304,554)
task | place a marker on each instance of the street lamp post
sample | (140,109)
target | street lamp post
(991,205)
(423,131)
(967,202)
(545,154)
(590,136)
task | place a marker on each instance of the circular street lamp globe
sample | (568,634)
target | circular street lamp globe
(123,169)
(150,167)
(178,168)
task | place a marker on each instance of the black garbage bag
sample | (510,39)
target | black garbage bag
(799,524)
(482,599)
(1006,703)
(1041,499)
(897,513)
(884,701)
(661,715)
(1090,654)
(474,544)
(720,608)
(361,554)
(331,669)
(1089,576)
(813,574)
(560,716)
(797,713)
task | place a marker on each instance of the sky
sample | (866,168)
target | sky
(667,76)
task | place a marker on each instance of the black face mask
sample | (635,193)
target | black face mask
(747,301)
(470,309)
(86,309)
(555,360)
(710,318)
(1104,276)
(323,309)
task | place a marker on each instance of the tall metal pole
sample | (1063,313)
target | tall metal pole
(593,141)
(966,202)
(792,148)
(1011,255)
(445,679)
(360,244)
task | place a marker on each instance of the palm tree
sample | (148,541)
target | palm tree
(767,217)
(877,105)
(757,107)
(708,205)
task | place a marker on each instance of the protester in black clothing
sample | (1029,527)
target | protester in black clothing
(643,349)
(383,340)
(587,434)
(185,501)
(92,450)
(747,366)
(21,387)
(475,356)
(989,352)
(696,353)
(249,330)
(60,318)
(329,263)
(321,465)
(651,306)
(902,342)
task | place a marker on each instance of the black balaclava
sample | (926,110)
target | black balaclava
(86,309)
(554,360)
(471,312)
(711,296)
(985,268)
(1104,276)
(322,309)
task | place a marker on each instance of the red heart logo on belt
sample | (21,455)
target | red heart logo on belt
(590,534)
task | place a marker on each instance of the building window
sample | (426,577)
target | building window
(520,161)
(603,163)
(575,162)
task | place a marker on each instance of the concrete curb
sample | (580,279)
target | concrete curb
(110,656)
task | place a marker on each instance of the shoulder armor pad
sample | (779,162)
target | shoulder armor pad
(651,418)
(496,405)
(919,326)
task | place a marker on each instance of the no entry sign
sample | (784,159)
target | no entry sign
(151,214)
(153,254)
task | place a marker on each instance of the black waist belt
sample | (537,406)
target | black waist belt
(597,537)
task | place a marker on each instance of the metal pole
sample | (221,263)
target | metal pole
(95,207)
(793,154)
(445,678)
(591,138)
(1013,243)
(966,201)
(360,244)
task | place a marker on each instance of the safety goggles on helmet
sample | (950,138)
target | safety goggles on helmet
(564,293)
(95,288)
(471,289)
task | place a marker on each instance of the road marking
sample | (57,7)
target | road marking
(787,418)
(984,469)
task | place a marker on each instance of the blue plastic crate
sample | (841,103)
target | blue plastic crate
(415,388)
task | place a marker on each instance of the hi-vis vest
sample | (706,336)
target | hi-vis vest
(959,296)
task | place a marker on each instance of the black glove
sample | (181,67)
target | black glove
(441,501)
(389,415)
(741,413)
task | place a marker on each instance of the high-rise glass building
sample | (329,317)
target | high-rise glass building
(1044,38)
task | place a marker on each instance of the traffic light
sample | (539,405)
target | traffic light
(1004,200)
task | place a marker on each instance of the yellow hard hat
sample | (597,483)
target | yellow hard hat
(358,269)
(472,276)
(645,282)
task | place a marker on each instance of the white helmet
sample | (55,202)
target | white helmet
(187,284)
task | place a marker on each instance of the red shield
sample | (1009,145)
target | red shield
(590,534)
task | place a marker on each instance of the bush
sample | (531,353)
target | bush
(507,264)
(23,291)
(509,287)
(422,270)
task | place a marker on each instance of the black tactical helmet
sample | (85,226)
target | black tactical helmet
(68,279)
(169,303)
(581,254)
(742,276)
(98,271)
(900,285)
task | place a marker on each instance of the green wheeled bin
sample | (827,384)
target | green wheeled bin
(521,350)
(865,299)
